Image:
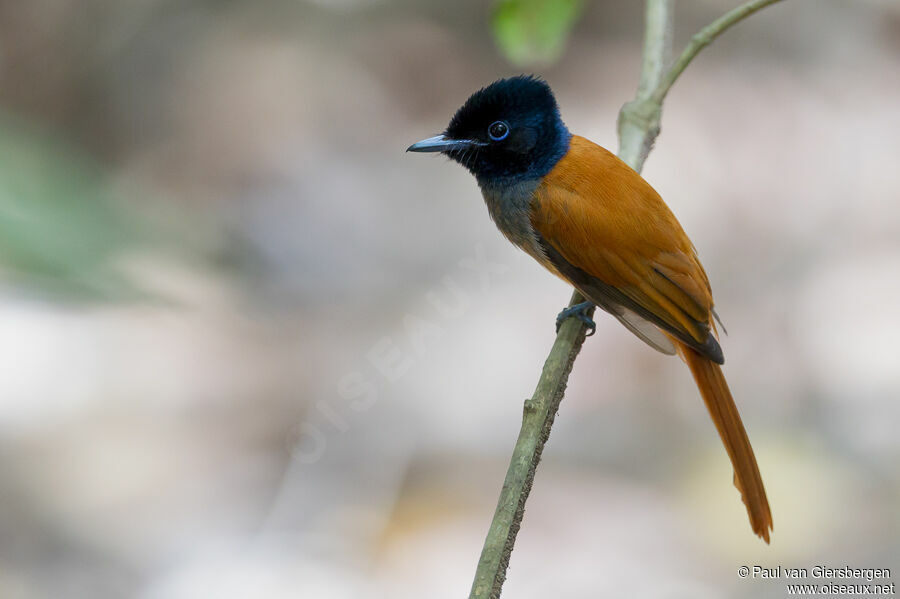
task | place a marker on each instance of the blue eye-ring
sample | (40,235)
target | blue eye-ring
(498,130)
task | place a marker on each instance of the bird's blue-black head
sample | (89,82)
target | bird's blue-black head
(506,132)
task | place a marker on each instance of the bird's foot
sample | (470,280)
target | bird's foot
(579,311)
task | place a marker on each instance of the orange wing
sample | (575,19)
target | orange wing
(601,227)
(607,232)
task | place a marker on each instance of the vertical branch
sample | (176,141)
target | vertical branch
(638,127)
(639,118)
(658,30)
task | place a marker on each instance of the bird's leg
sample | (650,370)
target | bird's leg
(579,311)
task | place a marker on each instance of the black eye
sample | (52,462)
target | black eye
(498,130)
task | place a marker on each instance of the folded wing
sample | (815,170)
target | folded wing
(607,231)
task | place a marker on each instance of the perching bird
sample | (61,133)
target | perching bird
(591,220)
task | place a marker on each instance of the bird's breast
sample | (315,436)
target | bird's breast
(510,208)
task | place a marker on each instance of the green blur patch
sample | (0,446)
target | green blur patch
(534,32)
(59,229)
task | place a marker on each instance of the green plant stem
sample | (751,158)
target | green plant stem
(638,127)
(702,39)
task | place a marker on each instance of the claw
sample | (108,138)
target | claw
(578,311)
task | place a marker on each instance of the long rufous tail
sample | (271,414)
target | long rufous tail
(725,415)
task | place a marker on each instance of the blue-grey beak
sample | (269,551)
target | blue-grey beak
(442,143)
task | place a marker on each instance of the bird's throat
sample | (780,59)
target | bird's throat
(509,204)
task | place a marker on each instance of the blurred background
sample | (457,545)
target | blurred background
(250,348)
